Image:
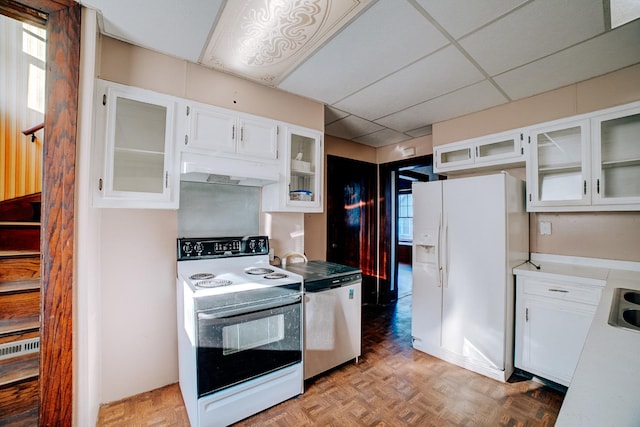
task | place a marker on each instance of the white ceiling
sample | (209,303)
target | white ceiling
(402,65)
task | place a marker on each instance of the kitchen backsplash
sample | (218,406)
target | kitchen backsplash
(218,210)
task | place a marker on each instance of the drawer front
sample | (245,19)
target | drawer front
(586,294)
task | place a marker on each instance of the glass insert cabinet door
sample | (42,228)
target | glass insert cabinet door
(138,143)
(560,158)
(617,157)
(302,179)
(139,146)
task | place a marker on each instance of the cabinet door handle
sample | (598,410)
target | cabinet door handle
(233,132)
(598,185)
(584,187)
(526,314)
(166,179)
(242,134)
(100,184)
(562,291)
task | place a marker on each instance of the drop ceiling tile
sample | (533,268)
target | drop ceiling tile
(372,47)
(464,101)
(459,17)
(332,114)
(177,28)
(382,137)
(435,75)
(611,51)
(421,131)
(351,127)
(537,29)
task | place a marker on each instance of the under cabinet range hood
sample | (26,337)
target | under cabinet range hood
(222,170)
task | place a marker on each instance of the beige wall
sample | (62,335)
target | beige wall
(391,153)
(132,65)
(609,235)
(613,235)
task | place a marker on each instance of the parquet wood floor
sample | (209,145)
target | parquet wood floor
(392,385)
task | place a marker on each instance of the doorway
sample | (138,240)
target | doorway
(396,221)
(351,219)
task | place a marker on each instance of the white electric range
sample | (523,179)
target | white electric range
(240,326)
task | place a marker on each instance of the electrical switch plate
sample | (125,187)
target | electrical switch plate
(545,228)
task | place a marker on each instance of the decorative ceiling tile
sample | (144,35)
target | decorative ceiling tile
(265,39)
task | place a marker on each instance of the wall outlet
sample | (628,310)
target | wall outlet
(544,228)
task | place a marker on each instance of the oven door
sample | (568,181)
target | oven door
(237,344)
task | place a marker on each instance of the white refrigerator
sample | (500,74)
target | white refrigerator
(468,234)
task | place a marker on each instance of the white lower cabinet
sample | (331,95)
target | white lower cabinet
(552,322)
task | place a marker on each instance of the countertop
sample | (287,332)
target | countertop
(604,388)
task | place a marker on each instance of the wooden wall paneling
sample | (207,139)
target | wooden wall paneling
(56,359)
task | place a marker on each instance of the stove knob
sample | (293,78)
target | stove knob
(252,245)
(187,248)
(199,247)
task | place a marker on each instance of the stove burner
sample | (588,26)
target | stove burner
(258,270)
(213,283)
(275,276)
(202,276)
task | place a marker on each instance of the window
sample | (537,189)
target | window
(405,217)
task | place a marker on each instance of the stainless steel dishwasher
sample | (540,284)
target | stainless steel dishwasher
(332,314)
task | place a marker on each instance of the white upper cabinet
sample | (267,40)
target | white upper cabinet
(616,157)
(485,152)
(220,131)
(590,163)
(559,164)
(134,161)
(302,161)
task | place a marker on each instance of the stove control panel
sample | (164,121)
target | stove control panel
(220,247)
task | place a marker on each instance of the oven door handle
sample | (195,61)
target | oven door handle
(251,308)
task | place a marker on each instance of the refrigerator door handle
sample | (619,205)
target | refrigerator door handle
(438,252)
(445,281)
